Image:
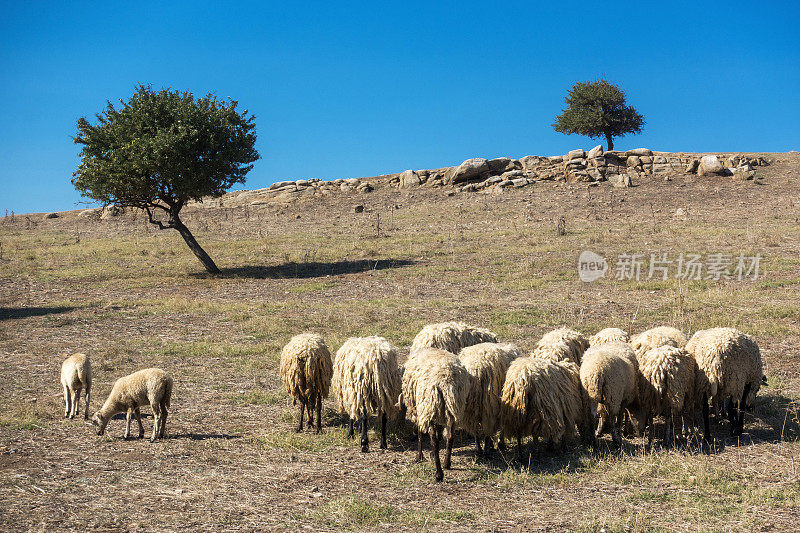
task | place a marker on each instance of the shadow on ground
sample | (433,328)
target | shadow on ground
(310,269)
(8,313)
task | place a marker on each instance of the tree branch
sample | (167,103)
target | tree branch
(155,222)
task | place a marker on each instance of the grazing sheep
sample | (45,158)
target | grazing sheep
(76,373)
(450,336)
(729,371)
(648,340)
(487,363)
(151,386)
(609,374)
(609,335)
(557,351)
(435,390)
(544,398)
(306,370)
(576,342)
(666,387)
(366,380)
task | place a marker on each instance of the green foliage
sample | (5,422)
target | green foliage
(164,148)
(597,109)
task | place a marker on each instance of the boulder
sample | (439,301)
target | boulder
(110,211)
(597,151)
(743,174)
(633,161)
(691,168)
(408,179)
(621,181)
(575,154)
(51,215)
(466,171)
(553,158)
(499,165)
(519,182)
(709,165)
(89,213)
(279,184)
(639,152)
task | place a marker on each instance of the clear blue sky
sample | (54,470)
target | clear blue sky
(357,89)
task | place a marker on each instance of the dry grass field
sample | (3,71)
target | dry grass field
(132,297)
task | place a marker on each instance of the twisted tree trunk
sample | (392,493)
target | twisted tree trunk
(194,246)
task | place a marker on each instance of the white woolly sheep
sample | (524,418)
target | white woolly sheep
(306,370)
(666,387)
(729,371)
(487,363)
(366,380)
(557,351)
(450,336)
(76,374)
(151,386)
(576,342)
(435,388)
(544,398)
(609,335)
(655,337)
(609,374)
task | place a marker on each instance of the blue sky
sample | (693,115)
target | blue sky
(345,89)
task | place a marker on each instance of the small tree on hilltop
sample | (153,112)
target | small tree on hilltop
(597,109)
(162,149)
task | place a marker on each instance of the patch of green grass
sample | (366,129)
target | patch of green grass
(257,397)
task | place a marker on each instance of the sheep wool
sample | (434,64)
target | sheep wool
(542,398)
(366,377)
(727,360)
(648,340)
(609,374)
(306,367)
(487,363)
(435,387)
(609,335)
(76,374)
(557,351)
(666,385)
(451,337)
(575,340)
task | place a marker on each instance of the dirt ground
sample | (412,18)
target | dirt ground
(131,296)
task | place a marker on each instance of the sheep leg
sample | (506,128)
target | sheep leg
(487,445)
(451,423)
(302,413)
(163,419)
(157,415)
(383,445)
(617,422)
(436,434)
(310,406)
(669,429)
(519,446)
(739,429)
(319,414)
(76,396)
(364,436)
(419,447)
(138,414)
(127,433)
(351,431)
(478,451)
(501,442)
(86,409)
(67,401)
(706,425)
(731,411)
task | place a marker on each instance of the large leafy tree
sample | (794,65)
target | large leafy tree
(159,150)
(597,109)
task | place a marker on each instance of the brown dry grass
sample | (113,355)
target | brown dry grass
(132,297)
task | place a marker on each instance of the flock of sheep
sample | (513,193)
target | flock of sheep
(459,376)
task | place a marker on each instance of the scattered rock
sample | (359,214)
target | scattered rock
(691,168)
(359,208)
(639,152)
(408,179)
(575,154)
(597,151)
(466,171)
(709,164)
(51,215)
(680,214)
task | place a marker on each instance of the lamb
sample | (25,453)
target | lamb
(76,374)
(666,386)
(450,336)
(544,398)
(609,335)
(609,374)
(151,386)
(306,370)
(487,363)
(366,380)
(576,342)
(655,337)
(434,391)
(729,370)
